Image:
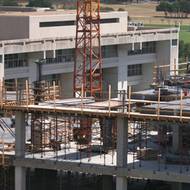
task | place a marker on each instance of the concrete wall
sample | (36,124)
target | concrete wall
(110,77)
(37,32)
(114,70)
(163,56)
(167,54)
(174,57)
(147,71)
(143,81)
(122,67)
(2,68)
(25,25)
(67,85)
(33,68)
(14,27)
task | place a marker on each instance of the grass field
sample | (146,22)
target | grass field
(184,30)
(185,36)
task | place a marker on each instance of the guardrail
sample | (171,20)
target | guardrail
(72,38)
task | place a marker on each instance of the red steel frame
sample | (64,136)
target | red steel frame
(88,59)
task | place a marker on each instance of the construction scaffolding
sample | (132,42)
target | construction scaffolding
(84,130)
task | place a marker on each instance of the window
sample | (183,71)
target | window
(52,78)
(134,70)
(57,23)
(16,60)
(1,59)
(174,42)
(73,22)
(66,55)
(109,51)
(147,47)
(11,83)
(109,20)
(62,56)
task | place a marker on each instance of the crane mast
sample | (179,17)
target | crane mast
(87,79)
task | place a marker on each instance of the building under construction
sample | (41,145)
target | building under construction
(71,103)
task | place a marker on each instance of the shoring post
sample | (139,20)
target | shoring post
(27,97)
(158,108)
(16,86)
(181,104)
(175,68)
(54,93)
(1,92)
(82,96)
(48,91)
(3,151)
(123,100)
(129,102)
(59,88)
(109,100)
(4,91)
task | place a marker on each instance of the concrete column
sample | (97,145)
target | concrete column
(122,77)
(122,142)
(2,68)
(176,186)
(32,66)
(122,67)
(66,80)
(20,178)
(163,54)
(174,55)
(107,182)
(107,133)
(176,140)
(20,172)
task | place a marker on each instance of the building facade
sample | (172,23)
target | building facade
(128,56)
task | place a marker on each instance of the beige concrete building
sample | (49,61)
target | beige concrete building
(128,56)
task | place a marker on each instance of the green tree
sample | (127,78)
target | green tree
(40,3)
(181,50)
(165,7)
(178,8)
(187,50)
(9,3)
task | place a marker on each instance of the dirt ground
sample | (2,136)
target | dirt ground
(146,12)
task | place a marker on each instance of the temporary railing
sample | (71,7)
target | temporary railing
(26,96)
(14,93)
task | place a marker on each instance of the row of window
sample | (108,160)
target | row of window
(134,70)
(62,56)
(147,47)
(16,60)
(67,55)
(109,51)
(52,78)
(72,22)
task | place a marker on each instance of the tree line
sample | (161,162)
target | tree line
(176,9)
(32,3)
(48,3)
(184,50)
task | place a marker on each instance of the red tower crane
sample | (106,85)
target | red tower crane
(88,59)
